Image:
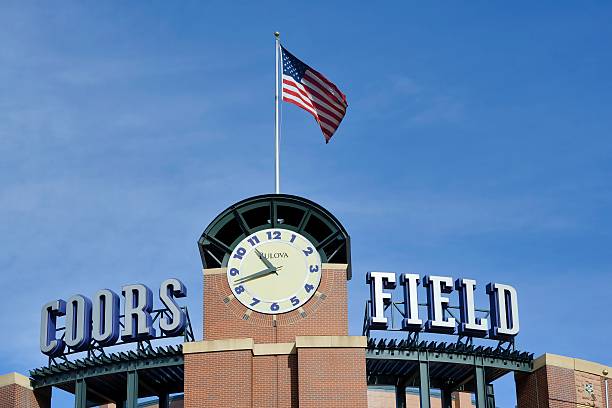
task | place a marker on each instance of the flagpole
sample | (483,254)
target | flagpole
(277,122)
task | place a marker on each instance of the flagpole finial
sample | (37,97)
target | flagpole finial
(276,34)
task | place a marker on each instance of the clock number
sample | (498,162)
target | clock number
(293,236)
(240,252)
(274,307)
(234,272)
(295,301)
(239,289)
(253,240)
(314,268)
(308,251)
(274,234)
(308,288)
(255,301)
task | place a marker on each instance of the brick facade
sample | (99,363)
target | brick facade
(312,371)
(326,314)
(562,382)
(276,379)
(15,392)
(332,378)
(385,398)
(221,379)
(249,359)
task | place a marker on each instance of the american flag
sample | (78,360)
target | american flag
(311,91)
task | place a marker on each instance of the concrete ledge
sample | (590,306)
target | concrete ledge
(575,364)
(15,378)
(214,271)
(209,346)
(335,266)
(274,349)
(271,349)
(593,368)
(331,342)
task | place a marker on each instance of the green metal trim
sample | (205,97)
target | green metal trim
(132,389)
(481,387)
(272,202)
(105,365)
(424,391)
(490,396)
(80,394)
(449,358)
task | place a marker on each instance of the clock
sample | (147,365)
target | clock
(274,271)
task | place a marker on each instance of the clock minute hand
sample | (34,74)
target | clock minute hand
(263,259)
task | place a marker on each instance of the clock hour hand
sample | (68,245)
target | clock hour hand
(256,275)
(263,259)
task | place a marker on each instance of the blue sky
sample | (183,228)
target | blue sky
(476,144)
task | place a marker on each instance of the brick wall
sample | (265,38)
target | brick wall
(325,314)
(332,378)
(561,386)
(17,396)
(385,398)
(562,382)
(275,381)
(595,396)
(314,371)
(221,379)
(239,379)
(8,395)
(175,402)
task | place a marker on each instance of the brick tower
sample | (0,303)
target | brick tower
(301,357)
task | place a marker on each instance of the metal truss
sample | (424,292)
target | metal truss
(70,371)
(447,366)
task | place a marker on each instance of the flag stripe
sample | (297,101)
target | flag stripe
(297,92)
(316,97)
(323,88)
(290,86)
(327,84)
(298,102)
(328,91)
(323,100)
(293,96)
(299,87)
(317,103)
(311,91)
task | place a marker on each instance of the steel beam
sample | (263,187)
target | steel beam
(424,384)
(400,394)
(80,394)
(164,401)
(43,397)
(132,389)
(446,398)
(490,396)
(481,387)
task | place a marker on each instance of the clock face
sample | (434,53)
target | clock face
(274,271)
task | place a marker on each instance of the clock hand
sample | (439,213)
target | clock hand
(258,274)
(266,271)
(263,259)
